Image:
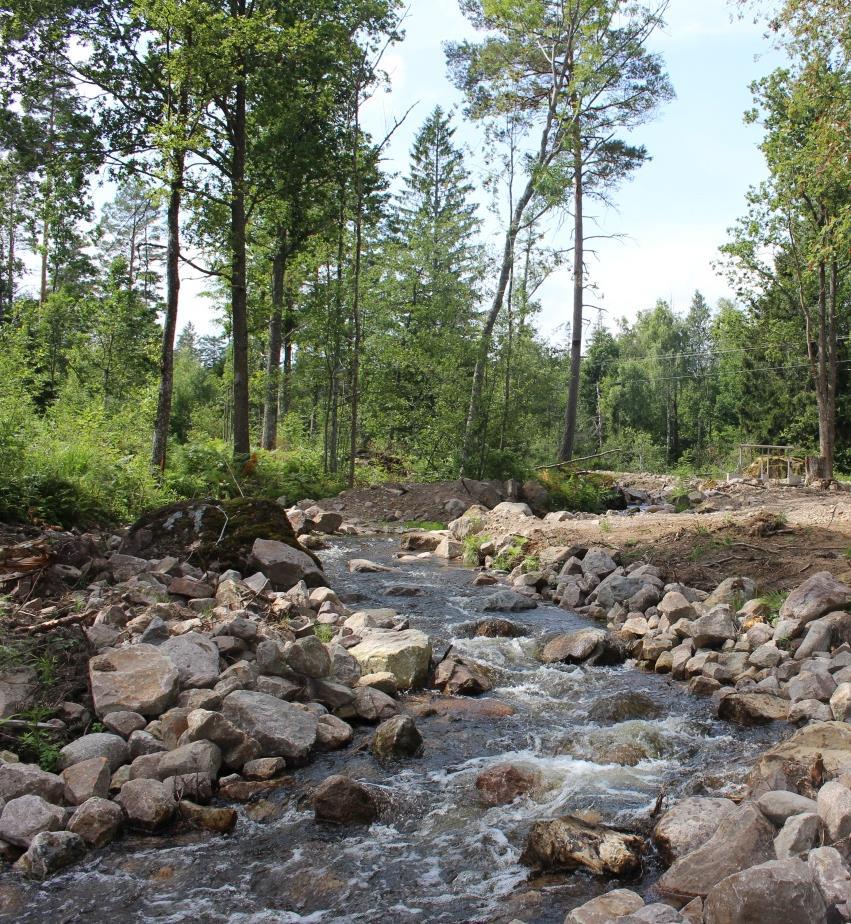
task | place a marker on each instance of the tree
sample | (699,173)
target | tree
(571,73)
(428,276)
(794,241)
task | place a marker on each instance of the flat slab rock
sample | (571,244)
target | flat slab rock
(784,764)
(138,679)
(406,654)
(688,824)
(282,729)
(744,838)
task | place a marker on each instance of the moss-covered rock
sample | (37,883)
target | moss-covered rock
(210,533)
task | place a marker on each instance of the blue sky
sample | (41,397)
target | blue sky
(675,212)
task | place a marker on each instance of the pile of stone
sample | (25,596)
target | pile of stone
(208,684)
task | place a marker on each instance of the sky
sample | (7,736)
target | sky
(673,215)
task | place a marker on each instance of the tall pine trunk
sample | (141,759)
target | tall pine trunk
(569,436)
(239,275)
(269,439)
(172,260)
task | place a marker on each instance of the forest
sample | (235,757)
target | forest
(368,330)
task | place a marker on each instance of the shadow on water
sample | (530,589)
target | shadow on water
(436,855)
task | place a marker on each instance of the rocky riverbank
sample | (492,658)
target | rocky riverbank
(210,686)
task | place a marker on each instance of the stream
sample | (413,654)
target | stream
(437,854)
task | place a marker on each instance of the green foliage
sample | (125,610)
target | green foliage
(530,563)
(323,632)
(472,556)
(579,493)
(512,555)
(774,601)
(425,525)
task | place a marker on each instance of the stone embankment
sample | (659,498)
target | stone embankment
(210,684)
(781,848)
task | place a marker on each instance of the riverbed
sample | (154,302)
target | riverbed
(437,854)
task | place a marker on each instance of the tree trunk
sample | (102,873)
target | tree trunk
(161,424)
(289,330)
(269,439)
(569,436)
(239,293)
(356,343)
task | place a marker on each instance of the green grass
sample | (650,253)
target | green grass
(511,556)
(472,548)
(323,632)
(531,563)
(425,525)
(579,493)
(774,601)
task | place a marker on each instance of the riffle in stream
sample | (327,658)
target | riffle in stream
(437,854)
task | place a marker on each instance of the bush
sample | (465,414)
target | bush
(580,493)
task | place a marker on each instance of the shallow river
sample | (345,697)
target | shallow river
(437,855)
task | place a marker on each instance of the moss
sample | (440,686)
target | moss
(211,532)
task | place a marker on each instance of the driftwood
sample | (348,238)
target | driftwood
(70,620)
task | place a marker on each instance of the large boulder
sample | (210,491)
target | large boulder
(570,843)
(26,816)
(461,678)
(826,744)
(817,596)
(98,744)
(714,628)
(282,729)
(28,779)
(507,601)
(196,659)
(406,654)
(17,686)
(753,708)
(688,824)
(284,565)
(340,800)
(778,890)
(97,821)
(502,784)
(607,908)
(137,679)
(622,707)
(148,804)
(50,852)
(220,534)
(594,645)
(744,838)
(397,738)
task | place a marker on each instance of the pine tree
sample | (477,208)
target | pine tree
(435,270)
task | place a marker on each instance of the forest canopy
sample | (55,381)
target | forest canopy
(368,327)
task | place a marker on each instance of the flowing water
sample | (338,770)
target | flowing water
(437,855)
